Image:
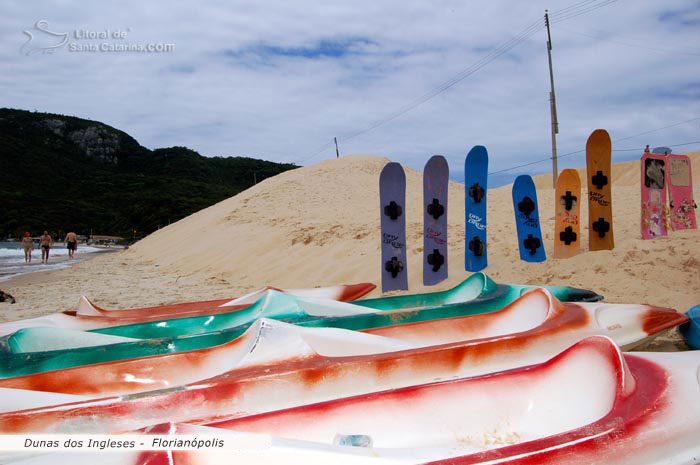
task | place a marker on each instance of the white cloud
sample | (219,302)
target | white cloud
(238,82)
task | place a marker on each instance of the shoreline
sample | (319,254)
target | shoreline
(112,280)
(50,275)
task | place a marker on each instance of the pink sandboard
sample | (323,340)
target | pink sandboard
(654,212)
(680,190)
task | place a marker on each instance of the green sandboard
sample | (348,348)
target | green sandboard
(478,294)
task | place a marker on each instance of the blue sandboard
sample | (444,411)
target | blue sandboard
(435,181)
(691,330)
(527,220)
(392,197)
(475,175)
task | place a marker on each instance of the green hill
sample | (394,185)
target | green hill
(63,173)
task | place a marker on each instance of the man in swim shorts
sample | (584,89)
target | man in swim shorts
(28,246)
(71,241)
(45,243)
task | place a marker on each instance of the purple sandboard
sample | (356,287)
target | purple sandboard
(435,181)
(392,198)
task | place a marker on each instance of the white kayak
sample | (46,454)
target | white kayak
(589,404)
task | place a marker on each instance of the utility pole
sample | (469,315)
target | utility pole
(337,152)
(552,104)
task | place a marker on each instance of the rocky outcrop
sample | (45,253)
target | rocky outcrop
(96,142)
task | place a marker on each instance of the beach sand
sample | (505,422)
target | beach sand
(319,225)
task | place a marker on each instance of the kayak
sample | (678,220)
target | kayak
(27,351)
(477,294)
(283,366)
(267,342)
(476,288)
(479,291)
(272,304)
(342,293)
(588,404)
(89,316)
(691,330)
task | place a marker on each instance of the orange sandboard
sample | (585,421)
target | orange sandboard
(567,212)
(599,174)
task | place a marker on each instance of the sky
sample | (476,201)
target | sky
(406,80)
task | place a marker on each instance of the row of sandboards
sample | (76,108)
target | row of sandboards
(435,181)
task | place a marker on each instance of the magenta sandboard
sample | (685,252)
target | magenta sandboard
(654,213)
(680,190)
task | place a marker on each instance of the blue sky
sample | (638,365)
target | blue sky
(278,80)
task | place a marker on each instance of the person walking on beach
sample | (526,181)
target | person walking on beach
(71,241)
(45,243)
(28,246)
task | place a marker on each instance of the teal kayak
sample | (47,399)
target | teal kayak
(479,291)
(479,294)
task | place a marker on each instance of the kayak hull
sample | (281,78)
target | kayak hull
(588,404)
(89,316)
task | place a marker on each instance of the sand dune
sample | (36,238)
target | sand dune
(319,225)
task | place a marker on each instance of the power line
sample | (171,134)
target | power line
(574,6)
(530,30)
(671,145)
(659,129)
(572,11)
(627,44)
(574,14)
(685,143)
(534,162)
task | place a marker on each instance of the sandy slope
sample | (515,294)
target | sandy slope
(319,225)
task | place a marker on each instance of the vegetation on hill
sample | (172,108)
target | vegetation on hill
(61,173)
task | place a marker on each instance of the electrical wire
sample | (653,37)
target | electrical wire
(534,162)
(558,18)
(527,32)
(627,44)
(564,14)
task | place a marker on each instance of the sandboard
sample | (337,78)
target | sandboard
(567,213)
(680,191)
(527,220)
(392,197)
(435,182)
(654,178)
(599,174)
(475,177)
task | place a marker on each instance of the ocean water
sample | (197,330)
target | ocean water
(12,258)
